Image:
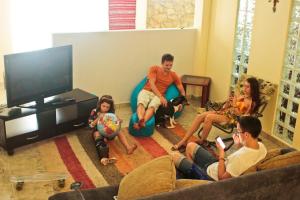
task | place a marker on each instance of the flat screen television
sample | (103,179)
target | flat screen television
(32,76)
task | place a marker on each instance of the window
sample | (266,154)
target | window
(34,21)
(242,40)
(289,90)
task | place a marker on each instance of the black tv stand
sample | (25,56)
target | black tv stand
(41,104)
(14,111)
(46,120)
(62,101)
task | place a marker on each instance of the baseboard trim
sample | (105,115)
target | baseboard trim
(122,105)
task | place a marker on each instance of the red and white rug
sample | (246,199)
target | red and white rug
(75,154)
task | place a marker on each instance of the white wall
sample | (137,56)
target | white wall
(114,62)
(220,47)
(5,39)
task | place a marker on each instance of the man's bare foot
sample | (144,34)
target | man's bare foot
(131,149)
(106,161)
(142,123)
(136,126)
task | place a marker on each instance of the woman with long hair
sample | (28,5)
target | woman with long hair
(237,105)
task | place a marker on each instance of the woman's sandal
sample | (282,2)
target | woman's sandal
(181,148)
(203,143)
(106,161)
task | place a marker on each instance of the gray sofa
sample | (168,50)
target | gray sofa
(281,183)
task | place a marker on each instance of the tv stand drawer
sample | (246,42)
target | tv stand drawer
(27,138)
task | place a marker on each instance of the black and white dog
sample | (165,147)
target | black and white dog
(167,113)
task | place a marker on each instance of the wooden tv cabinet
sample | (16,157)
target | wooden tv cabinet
(32,125)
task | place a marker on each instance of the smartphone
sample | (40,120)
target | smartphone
(220,141)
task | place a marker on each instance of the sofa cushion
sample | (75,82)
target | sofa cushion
(154,177)
(270,154)
(184,183)
(280,161)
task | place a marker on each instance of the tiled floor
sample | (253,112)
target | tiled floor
(27,159)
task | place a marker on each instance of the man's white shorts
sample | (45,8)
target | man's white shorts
(148,99)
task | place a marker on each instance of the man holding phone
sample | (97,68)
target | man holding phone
(200,164)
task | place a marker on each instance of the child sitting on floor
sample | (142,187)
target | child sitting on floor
(106,105)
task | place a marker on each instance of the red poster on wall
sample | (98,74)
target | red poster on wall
(122,14)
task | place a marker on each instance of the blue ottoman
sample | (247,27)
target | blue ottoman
(144,132)
(148,130)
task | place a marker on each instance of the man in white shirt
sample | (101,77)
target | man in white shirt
(200,164)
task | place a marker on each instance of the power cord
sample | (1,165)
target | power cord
(76,187)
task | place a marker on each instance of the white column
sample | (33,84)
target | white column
(141,14)
(198,14)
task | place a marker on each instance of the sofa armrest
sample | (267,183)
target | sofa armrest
(103,193)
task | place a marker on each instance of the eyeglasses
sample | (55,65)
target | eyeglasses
(239,132)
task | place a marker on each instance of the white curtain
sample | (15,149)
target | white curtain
(33,21)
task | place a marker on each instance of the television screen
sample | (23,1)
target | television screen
(32,76)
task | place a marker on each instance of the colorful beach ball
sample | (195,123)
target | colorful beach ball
(109,125)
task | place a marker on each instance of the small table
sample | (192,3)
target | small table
(198,81)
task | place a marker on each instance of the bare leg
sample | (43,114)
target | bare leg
(190,148)
(129,148)
(142,121)
(177,157)
(140,111)
(141,115)
(209,119)
(149,113)
(195,126)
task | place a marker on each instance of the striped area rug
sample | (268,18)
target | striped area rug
(75,154)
